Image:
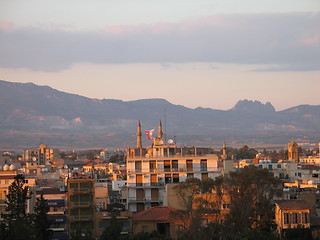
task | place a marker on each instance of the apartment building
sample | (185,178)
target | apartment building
(81,207)
(56,201)
(41,155)
(150,169)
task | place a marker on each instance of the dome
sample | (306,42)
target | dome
(12,167)
(6,167)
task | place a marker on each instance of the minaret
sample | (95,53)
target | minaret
(160,133)
(224,151)
(139,144)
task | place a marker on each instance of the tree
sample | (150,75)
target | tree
(246,153)
(16,221)
(299,233)
(196,196)
(40,221)
(113,230)
(251,191)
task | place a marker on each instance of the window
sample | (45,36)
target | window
(279,166)
(154,180)
(225,206)
(144,228)
(189,166)
(175,178)
(189,175)
(175,165)
(167,178)
(153,166)
(138,166)
(203,165)
(294,218)
(260,166)
(139,180)
(167,165)
(305,218)
(286,218)
(204,176)
(154,194)
(270,167)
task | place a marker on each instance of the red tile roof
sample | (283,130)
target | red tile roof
(161,213)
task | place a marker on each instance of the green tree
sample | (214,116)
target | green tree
(113,230)
(40,222)
(196,198)
(16,222)
(246,153)
(251,191)
(299,233)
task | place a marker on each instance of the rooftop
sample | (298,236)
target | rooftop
(160,213)
(292,204)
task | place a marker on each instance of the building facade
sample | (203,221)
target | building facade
(150,169)
(41,155)
(81,207)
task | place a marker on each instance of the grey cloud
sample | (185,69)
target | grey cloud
(290,41)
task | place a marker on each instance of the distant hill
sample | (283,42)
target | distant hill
(31,114)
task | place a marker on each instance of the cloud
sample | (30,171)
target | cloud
(288,41)
(6,26)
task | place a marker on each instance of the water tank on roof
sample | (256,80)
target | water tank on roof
(6,167)
(12,167)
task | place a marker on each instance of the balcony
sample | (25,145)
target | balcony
(175,170)
(80,190)
(146,185)
(79,204)
(79,218)
(143,200)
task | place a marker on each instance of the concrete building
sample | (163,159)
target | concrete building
(57,215)
(81,207)
(150,169)
(42,155)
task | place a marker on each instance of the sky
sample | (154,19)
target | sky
(207,53)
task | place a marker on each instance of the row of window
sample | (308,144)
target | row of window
(168,178)
(172,164)
(296,218)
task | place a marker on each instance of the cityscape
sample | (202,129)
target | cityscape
(159,120)
(164,189)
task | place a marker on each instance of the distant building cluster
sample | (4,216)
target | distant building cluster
(81,194)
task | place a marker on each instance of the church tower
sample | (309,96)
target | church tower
(139,144)
(293,151)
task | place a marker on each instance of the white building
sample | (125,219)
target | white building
(149,169)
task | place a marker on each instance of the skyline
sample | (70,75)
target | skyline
(202,53)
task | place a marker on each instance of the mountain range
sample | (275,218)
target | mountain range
(32,114)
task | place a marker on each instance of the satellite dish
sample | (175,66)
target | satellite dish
(170,141)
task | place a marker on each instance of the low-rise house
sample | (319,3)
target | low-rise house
(292,214)
(156,219)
